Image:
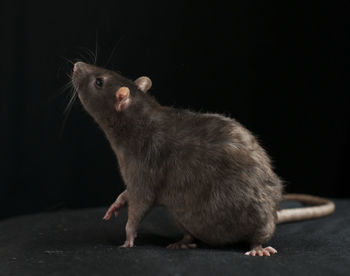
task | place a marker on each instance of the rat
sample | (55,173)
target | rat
(208,170)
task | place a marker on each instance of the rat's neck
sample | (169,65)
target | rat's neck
(129,133)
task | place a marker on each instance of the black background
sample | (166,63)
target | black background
(281,68)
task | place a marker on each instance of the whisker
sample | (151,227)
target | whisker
(66,87)
(60,92)
(116,45)
(67,111)
(93,61)
(69,76)
(90,54)
(71,102)
(68,60)
(85,57)
(66,63)
(96,46)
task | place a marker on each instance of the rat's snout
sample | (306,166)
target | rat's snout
(79,66)
(80,71)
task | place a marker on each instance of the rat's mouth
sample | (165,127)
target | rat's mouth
(74,79)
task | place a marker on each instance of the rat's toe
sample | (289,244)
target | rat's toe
(192,245)
(265,252)
(250,253)
(271,249)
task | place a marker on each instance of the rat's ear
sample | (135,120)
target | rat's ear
(122,98)
(143,83)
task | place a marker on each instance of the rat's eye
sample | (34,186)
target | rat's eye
(99,82)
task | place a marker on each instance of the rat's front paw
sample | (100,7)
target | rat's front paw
(116,206)
(130,236)
(127,244)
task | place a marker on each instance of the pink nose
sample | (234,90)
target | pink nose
(77,66)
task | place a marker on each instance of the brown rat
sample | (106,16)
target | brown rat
(207,169)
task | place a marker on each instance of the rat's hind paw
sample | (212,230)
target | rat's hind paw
(186,243)
(181,245)
(259,251)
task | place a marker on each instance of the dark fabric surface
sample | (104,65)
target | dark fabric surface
(80,243)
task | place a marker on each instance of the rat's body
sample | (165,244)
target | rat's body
(208,170)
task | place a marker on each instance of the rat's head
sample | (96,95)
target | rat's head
(105,93)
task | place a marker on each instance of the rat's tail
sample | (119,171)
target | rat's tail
(323,208)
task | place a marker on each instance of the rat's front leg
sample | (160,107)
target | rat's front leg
(119,203)
(137,209)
